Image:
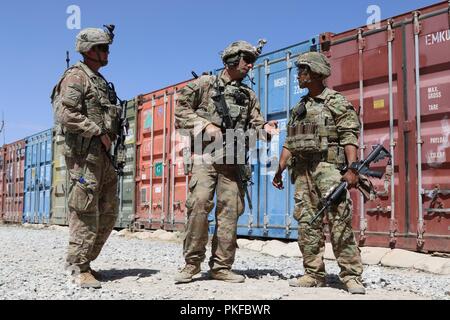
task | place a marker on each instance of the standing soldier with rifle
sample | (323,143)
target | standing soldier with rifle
(212,105)
(85,108)
(322,138)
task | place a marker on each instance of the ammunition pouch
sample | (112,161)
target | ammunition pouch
(77,146)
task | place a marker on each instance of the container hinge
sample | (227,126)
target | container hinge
(391,32)
(288,60)
(266,224)
(416,22)
(361,40)
(362,231)
(288,225)
(420,234)
(250,224)
(325,42)
(266,67)
(393,228)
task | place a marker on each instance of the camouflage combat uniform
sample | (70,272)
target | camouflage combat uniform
(316,141)
(84,110)
(196,108)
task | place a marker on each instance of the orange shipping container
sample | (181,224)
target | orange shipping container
(161,186)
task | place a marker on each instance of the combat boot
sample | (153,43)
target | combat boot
(307,281)
(187,273)
(355,286)
(87,280)
(226,275)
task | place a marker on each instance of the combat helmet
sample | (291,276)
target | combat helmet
(90,37)
(233,53)
(317,63)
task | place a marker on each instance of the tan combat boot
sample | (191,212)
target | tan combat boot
(187,273)
(87,280)
(355,286)
(307,281)
(226,275)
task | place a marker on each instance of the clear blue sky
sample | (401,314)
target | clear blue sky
(157,42)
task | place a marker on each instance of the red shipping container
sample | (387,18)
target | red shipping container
(377,70)
(12,181)
(161,186)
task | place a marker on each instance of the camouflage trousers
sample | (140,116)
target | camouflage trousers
(93,206)
(313,181)
(207,180)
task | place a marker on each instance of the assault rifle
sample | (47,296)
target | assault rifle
(119,156)
(362,167)
(222,108)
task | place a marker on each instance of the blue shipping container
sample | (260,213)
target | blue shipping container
(38,177)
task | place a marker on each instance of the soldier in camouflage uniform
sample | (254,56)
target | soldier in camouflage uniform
(85,110)
(197,113)
(323,132)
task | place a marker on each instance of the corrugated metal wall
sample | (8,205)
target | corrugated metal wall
(127,183)
(38,177)
(13,180)
(59,213)
(378,70)
(161,184)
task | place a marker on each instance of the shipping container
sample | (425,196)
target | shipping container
(127,184)
(38,177)
(398,77)
(12,175)
(160,180)
(59,213)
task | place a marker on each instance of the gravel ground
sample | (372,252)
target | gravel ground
(31,267)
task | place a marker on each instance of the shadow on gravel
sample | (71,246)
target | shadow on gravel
(333,281)
(260,273)
(114,274)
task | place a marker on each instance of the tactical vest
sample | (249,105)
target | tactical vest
(237,98)
(99,104)
(312,134)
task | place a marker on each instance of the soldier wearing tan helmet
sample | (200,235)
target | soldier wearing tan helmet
(323,132)
(198,113)
(86,113)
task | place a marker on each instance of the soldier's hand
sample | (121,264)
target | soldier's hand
(213,131)
(106,141)
(351,177)
(278,181)
(271,127)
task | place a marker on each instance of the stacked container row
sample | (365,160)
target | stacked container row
(398,76)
